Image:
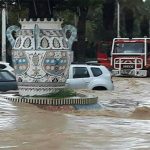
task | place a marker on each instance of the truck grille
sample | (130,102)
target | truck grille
(128,63)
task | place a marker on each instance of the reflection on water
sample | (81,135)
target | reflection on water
(109,133)
(7,115)
(123,123)
(32,128)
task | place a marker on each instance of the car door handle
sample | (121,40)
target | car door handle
(87,82)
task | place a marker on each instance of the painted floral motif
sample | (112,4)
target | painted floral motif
(44,43)
(20,62)
(35,73)
(64,43)
(27,43)
(56,64)
(41,60)
(35,59)
(57,55)
(56,43)
(18,43)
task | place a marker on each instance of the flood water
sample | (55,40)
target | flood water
(123,122)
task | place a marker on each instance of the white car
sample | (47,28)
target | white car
(89,77)
(6,66)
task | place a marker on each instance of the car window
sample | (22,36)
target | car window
(2,66)
(96,71)
(5,76)
(80,72)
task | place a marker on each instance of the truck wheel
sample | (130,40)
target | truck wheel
(148,72)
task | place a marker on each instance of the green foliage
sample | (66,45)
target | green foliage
(90,30)
(63,93)
(14,14)
(84,3)
(94,27)
(68,17)
(97,20)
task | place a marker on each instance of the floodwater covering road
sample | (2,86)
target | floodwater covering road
(123,122)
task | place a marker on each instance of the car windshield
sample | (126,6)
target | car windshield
(5,76)
(129,48)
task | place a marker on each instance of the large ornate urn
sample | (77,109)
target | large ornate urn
(41,55)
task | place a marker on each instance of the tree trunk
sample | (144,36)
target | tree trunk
(41,9)
(129,22)
(80,51)
(108,19)
(144,26)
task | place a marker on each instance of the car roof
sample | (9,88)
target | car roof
(3,62)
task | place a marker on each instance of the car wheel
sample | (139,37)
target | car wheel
(99,88)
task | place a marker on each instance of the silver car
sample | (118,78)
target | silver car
(82,76)
(7,81)
(6,66)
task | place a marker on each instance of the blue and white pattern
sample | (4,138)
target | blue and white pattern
(41,55)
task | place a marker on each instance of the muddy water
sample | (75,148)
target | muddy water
(123,122)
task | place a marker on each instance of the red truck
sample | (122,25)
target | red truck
(128,57)
(104,53)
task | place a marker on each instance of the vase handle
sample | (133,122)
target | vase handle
(9,34)
(73,35)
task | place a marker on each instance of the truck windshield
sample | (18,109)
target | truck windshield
(129,48)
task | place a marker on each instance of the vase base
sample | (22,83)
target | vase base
(38,91)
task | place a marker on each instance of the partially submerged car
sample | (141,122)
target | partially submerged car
(83,76)
(7,81)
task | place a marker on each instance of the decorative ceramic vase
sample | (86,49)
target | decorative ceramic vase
(41,55)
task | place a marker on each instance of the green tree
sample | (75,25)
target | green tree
(82,9)
(94,19)
(135,16)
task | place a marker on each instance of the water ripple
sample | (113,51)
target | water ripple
(8,114)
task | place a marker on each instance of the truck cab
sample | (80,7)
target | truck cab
(103,53)
(130,57)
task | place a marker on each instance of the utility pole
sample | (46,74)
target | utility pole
(3,5)
(118,19)
(3,33)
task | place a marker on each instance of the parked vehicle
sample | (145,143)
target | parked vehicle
(7,81)
(90,77)
(131,57)
(128,57)
(80,76)
(6,66)
(103,53)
